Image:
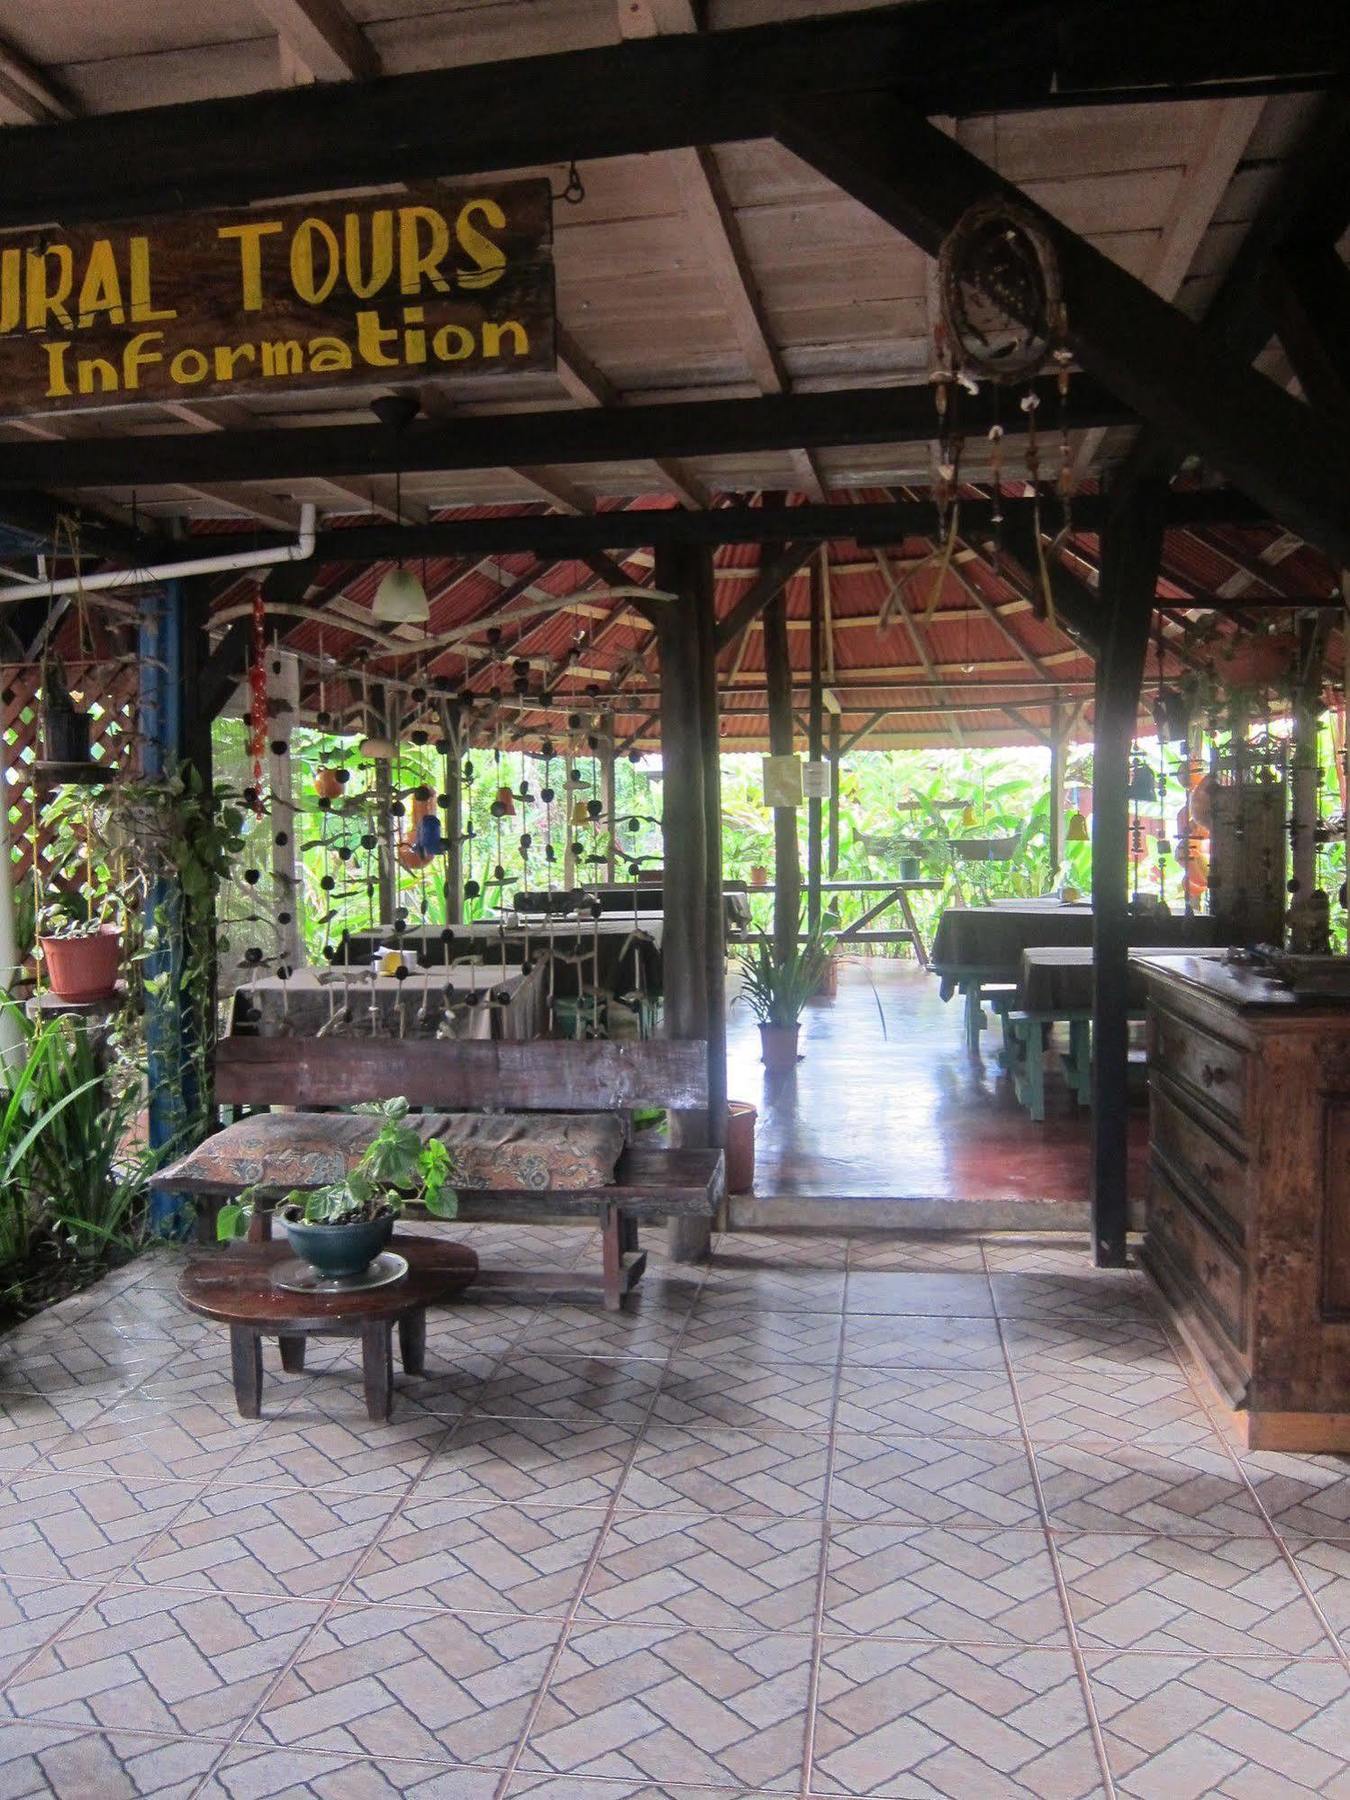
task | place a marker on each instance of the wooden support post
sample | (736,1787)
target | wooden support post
(283,815)
(1131,553)
(1313,634)
(787,874)
(452,817)
(1058,749)
(610,793)
(173,651)
(815,737)
(683,829)
(693,1234)
(832,828)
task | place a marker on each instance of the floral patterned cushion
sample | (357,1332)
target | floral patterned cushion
(496,1150)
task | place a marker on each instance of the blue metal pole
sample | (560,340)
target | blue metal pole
(168,1027)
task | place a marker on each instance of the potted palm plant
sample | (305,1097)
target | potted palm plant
(776,990)
(339,1229)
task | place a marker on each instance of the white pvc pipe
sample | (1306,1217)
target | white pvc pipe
(300,551)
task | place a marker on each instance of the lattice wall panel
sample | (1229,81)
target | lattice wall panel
(108,692)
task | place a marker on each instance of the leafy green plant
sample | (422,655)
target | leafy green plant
(395,1168)
(776,991)
(92,1172)
(28,1113)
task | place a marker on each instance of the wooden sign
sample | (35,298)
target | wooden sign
(382,291)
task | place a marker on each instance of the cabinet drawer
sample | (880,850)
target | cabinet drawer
(1217,1277)
(1200,1158)
(1211,1067)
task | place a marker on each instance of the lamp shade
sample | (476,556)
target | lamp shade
(377,749)
(400,599)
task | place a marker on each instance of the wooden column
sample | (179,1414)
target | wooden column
(832,827)
(703,594)
(787,874)
(815,734)
(1131,553)
(685,835)
(610,796)
(452,813)
(1058,748)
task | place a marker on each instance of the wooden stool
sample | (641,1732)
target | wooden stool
(235,1287)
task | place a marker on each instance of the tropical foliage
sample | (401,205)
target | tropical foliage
(776,989)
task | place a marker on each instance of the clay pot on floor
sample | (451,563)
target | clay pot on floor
(778,1047)
(740,1146)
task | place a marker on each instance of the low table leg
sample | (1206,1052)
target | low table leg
(292,1354)
(412,1341)
(377,1363)
(247,1369)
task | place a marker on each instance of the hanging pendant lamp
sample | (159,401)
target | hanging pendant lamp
(400,599)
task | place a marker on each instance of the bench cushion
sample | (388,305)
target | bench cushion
(531,1151)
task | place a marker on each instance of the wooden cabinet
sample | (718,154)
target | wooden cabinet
(1248,1228)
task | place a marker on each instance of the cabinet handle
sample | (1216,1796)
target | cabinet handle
(1213,1077)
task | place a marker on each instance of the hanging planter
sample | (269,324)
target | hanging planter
(984,849)
(328,783)
(83,966)
(65,729)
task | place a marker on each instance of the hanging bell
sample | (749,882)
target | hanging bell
(506,801)
(968,819)
(1076,831)
(1142,784)
(428,837)
(580,813)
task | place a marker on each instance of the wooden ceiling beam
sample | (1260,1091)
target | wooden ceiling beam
(1308,292)
(777,570)
(593,390)
(325,38)
(589,434)
(31,91)
(621,530)
(1170,371)
(955,57)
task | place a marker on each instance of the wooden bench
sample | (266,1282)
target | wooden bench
(539,1076)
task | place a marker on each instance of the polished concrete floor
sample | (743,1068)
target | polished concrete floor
(886,1101)
(875,1516)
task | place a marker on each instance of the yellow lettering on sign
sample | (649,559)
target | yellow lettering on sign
(311,290)
(227,355)
(135,353)
(89,368)
(458,336)
(366,284)
(101,289)
(250,258)
(329,356)
(414,342)
(45,303)
(490,258)
(413,261)
(282,356)
(58,388)
(10,290)
(493,333)
(371,336)
(142,305)
(189,366)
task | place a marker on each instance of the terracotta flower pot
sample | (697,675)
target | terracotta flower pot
(326,784)
(759,876)
(740,1146)
(778,1047)
(86,967)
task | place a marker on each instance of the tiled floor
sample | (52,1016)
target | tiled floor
(832,1517)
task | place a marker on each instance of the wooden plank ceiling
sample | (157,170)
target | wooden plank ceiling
(687,275)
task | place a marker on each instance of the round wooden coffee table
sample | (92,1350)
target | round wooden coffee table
(235,1286)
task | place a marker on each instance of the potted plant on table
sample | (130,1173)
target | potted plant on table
(776,990)
(339,1229)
